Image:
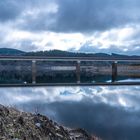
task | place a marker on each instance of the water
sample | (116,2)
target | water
(113,113)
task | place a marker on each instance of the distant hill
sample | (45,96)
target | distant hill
(57,53)
(60,53)
(9,51)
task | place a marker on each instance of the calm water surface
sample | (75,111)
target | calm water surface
(113,113)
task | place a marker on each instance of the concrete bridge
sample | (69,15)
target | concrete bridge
(78,60)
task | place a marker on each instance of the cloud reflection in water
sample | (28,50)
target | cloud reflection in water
(110,112)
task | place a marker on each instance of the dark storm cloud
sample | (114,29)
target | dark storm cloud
(9,10)
(87,16)
(12,9)
(77,15)
(72,15)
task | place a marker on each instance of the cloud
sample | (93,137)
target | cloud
(84,16)
(70,16)
(9,10)
(89,26)
(123,40)
(97,15)
(39,16)
(29,41)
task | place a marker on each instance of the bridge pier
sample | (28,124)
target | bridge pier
(78,71)
(33,71)
(114,71)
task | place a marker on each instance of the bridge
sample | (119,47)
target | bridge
(113,60)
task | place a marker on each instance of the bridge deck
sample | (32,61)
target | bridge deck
(38,58)
(71,84)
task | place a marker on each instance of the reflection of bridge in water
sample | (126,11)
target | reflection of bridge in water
(113,60)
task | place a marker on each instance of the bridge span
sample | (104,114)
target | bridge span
(113,60)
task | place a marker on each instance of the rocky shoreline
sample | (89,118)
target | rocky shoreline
(17,125)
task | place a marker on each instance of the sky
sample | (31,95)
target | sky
(112,113)
(106,26)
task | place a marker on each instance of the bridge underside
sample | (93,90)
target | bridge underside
(71,84)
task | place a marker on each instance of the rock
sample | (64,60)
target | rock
(20,120)
(16,125)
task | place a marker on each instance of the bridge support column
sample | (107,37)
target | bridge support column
(33,71)
(114,71)
(78,71)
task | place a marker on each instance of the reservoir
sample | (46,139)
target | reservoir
(111,112)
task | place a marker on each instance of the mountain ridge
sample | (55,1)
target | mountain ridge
(9,51)
(58,53)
